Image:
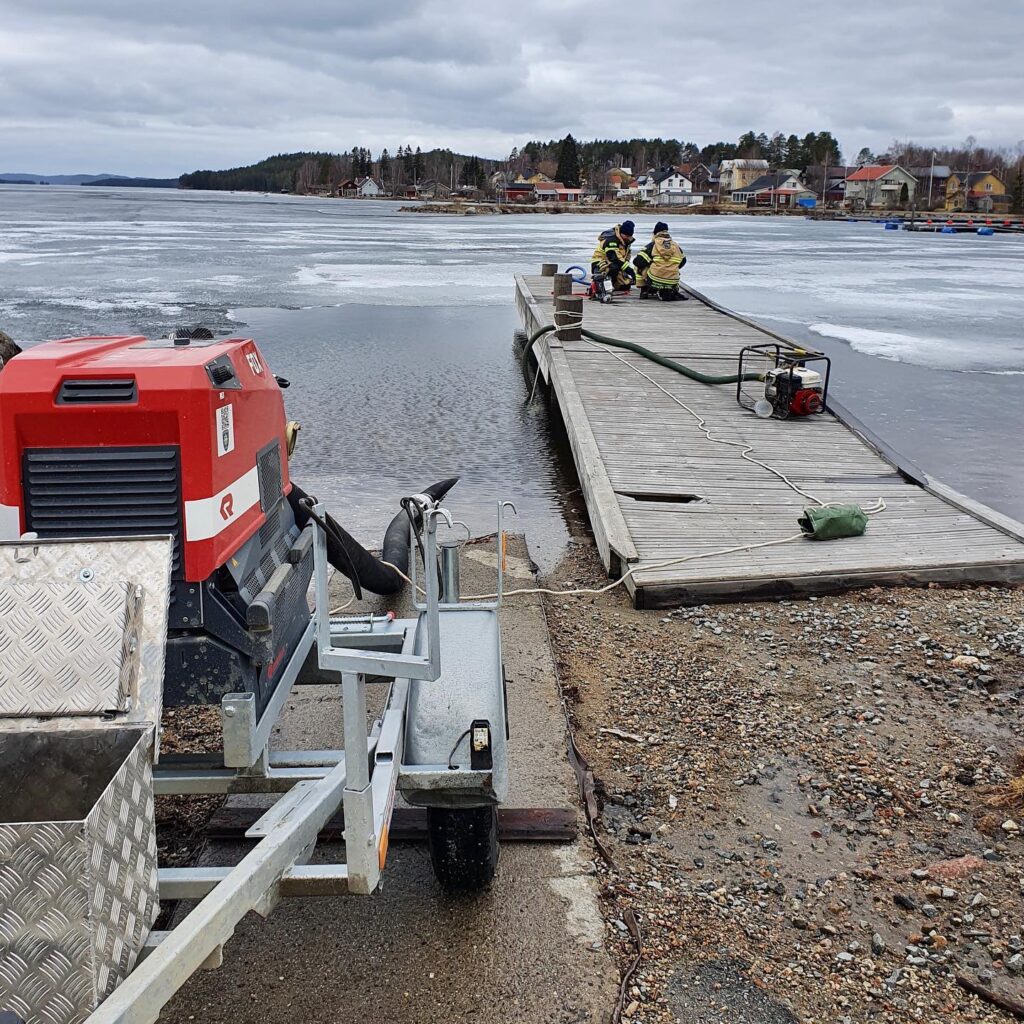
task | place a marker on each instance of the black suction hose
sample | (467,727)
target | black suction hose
(351,559)
(671,364)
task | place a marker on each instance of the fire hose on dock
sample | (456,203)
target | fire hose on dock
(632,346)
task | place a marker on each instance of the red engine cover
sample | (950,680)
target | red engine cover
(805,402)
(219,425)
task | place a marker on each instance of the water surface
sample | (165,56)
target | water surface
(395,329)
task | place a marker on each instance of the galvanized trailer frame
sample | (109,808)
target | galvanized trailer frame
(362,778)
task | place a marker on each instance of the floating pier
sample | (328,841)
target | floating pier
(657,490)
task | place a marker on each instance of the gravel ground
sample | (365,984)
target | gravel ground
(810,803)
(181,820)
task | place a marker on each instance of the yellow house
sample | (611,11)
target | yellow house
(981,191)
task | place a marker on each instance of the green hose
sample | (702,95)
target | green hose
(671,364)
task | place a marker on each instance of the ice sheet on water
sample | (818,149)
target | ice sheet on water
(408,283)
(922,350)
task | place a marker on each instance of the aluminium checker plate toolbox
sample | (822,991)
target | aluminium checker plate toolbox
(82,632)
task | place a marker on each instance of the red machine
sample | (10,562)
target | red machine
(186,436)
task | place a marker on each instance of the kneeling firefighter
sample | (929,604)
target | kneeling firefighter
(657,266)
(611,257)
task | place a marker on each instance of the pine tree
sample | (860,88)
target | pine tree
(568,172)
(417,164)
(385,166)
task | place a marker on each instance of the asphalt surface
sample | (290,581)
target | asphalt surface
(531,949)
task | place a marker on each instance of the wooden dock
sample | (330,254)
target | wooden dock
(657,489)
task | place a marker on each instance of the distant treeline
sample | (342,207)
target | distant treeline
(309,171)
(573,162)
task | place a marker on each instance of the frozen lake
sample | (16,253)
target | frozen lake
(395,329)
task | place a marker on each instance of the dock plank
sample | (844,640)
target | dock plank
(658,490)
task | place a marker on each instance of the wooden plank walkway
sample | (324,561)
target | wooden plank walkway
(657,489)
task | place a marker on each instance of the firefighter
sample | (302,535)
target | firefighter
(611,257)
(657,266)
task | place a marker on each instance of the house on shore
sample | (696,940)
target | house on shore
(518,192)
(880,186)
(367,188)
(346,187)
(931,184)
(431,189)
(735,175)
(977,192)
(556,192)
(777,189)
(699,174)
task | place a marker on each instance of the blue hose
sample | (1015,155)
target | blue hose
(578,280)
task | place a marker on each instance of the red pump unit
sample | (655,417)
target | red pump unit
(103,437)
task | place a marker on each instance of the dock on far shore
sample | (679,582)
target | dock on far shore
(658,490)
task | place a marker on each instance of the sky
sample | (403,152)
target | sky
(157,88)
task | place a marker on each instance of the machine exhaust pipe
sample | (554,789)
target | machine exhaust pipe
(351,559)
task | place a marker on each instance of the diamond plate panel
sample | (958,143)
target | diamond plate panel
(68,648)
(144,561)
(77,899)
(123,866)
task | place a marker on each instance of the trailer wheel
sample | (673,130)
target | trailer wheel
(463,846)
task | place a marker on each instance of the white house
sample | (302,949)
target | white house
(670,181)
(880,185)
(367,188)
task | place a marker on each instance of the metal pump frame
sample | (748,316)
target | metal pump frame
(362,779)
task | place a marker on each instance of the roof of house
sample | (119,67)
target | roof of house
(550,186)
(747,164)
(665,173)
(774,180)
(872,172)
(975,177)
(520,186)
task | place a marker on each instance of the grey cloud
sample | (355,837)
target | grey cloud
(161,88)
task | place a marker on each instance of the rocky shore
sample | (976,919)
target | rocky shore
(814,808)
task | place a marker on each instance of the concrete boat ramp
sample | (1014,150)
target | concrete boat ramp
(659,491)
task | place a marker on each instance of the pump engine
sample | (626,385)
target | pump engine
(186,436)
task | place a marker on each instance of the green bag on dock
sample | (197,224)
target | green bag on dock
(833,522)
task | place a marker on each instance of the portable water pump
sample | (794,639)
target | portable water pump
(183,436)
(791,387)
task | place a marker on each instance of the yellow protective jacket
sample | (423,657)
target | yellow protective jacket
(612,252)
(658,262)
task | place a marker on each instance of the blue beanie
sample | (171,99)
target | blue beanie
(627,227)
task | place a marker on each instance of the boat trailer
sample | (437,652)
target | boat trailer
(83,629)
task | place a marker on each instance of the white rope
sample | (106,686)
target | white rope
(879,506)
(875,509)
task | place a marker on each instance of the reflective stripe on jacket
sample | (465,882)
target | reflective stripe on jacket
(612,251)
(664,258)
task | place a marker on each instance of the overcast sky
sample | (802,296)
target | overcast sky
(146,87)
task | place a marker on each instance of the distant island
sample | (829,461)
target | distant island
(110,180)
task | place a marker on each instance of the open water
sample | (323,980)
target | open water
(395,329)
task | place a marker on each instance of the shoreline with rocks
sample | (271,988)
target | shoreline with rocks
(814,808)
